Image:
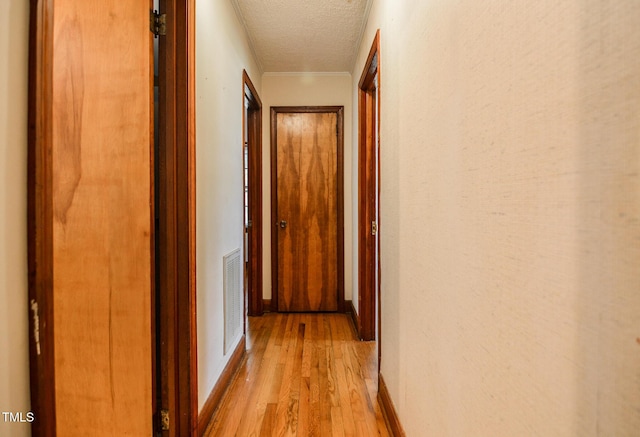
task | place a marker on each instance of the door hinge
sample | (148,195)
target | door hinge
(374,228)
(164,420)
(158,23)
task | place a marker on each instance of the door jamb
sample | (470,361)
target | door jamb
(368,196)
(339,110)
(178,183)
(40,219)
(252,126)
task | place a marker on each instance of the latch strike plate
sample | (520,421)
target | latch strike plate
(164,420)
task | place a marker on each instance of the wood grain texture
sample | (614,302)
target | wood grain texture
(224,382)
(351,311)
(252,131)
(368,193)
(388,409)
(40,220)
(267,305)
(101,217)
(175,255)
(304,375)
(307,200)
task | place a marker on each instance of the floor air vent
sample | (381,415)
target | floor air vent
(232,299)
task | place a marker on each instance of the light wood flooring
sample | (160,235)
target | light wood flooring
(303,375)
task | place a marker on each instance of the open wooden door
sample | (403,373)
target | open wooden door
(90,220)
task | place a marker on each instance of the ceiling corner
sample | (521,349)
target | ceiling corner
(247,34)
(365,21)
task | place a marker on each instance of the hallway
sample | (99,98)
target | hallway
(508,157)
(303,374)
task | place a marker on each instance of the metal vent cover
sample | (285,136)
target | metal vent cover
(232,294)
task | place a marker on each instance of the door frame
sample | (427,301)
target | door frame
(252,128)
(40,219)
(339,111)
(177,177)
(177,262)
(369,195)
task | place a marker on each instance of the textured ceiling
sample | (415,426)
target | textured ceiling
(304,35)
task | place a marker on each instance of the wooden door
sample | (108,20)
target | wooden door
(308,208)
(90,220)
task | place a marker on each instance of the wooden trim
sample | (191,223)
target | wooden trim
(306,109)
(211,404)
(274,212)
(254,130)
(176,209)
(379,264)
(165,260)
(40,219)
(340,200)
(355,320)
(186,213)
(266,305)
(372,65)
(368,196)
(190,6)
(339,110)
(246,80)
(154,169)
(388,409)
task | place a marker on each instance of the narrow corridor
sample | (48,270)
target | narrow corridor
(303,375)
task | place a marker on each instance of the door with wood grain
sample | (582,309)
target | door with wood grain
(90,217)
(307,213)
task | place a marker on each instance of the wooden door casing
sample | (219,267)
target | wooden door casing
(253,138)
(369,196)
(307,195)
(176,245)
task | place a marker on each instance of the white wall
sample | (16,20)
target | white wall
(510,227)
(14,358)
(306,89)
(222,52)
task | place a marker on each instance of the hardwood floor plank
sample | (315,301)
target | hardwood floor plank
(269,376)
(243,386)
(306,353)
(287,414)
(303,415)
(372,387)
(330,342)
(345,400)
(304,375)
(337,427)
(325,395)
(314,383)
(268,424)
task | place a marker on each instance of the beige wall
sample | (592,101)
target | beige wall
(306,89)
(510,225)
(510,210)
(222,53)
(14,355)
